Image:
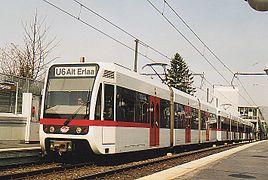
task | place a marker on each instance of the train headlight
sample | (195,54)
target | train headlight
(78,130)
(51,129)
(69,147)
(51,146)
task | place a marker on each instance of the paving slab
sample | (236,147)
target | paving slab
(6,146)
(251,163)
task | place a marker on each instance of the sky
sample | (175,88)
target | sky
(232,30)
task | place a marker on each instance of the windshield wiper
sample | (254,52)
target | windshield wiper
(68,120)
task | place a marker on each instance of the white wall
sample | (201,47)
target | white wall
(227,95)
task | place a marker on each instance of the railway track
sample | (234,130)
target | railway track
(188,156)
(92,171)
(56,167)
(16,158)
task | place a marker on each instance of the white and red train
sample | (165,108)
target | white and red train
(108,109)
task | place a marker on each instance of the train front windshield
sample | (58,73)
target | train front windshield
(68,91)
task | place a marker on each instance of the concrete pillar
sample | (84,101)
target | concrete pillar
(27,111)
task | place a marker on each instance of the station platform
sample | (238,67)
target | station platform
(8,146)
(249,161)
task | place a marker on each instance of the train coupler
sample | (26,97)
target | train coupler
(60,146)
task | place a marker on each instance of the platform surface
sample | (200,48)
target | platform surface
(250,163)
(6,146)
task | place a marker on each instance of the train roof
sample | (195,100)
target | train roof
(179,96)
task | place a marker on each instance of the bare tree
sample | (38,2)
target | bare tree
(31,59)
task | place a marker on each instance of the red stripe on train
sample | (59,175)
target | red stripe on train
(76,122)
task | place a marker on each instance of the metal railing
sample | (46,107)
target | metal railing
(11,101)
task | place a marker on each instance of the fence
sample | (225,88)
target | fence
(11,89)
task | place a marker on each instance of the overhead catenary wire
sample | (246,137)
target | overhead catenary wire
(96,29)
(204,44)
(247,92)
(106,34)
(209,49)
(121,29)
(196,35)
(172,25)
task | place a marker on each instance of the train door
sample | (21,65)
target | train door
(188,123)
(154,120)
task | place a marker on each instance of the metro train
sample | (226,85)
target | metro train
(106,108)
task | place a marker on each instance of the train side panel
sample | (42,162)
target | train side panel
(131,139)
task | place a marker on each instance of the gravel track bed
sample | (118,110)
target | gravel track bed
(151,169)
(28,168)
(131,174)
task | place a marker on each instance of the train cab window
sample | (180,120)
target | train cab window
(98,104)
(108,102)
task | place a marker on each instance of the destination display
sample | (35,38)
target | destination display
(75,71)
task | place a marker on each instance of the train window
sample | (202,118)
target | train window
(212,121)
(203,119)
(234,126)
(164,114)
(157,115)
(108,102)
(141,108)
(152,115)
(176,116)
(125,99)
(226,124)
(98,105)
(179,116)
(181,124)
(195,120)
